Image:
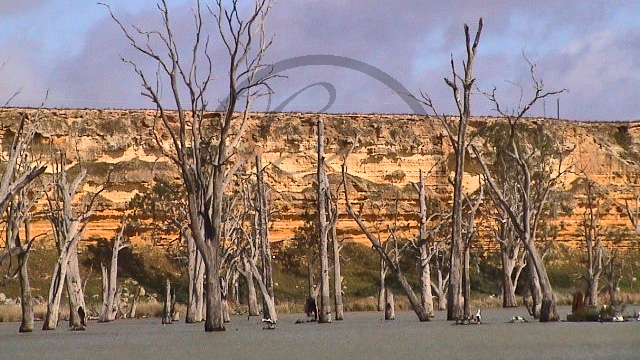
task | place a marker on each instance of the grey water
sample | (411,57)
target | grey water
(359,336)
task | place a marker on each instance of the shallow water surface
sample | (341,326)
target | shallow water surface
(359,336)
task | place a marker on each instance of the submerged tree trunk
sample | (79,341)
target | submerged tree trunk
(26,300)
(337,270)
(166,310)
(424,267)
(509,257)
(195,271)
(263,232)
(323,228)
(136,299)
(110,298)
(389,307)
(466,282)
(381,291)
(214,320)
(75,293)
(548,310)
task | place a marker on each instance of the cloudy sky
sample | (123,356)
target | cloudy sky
(591,48)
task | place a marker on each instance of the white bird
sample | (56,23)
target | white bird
(478,317)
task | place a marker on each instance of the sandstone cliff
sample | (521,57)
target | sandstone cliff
(393,150)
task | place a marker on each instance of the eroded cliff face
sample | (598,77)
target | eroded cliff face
(392,151)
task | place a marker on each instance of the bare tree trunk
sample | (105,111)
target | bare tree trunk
(263,232)
(269,301)
(254,309)
(548,311)
(337,270)
(75,293)
(195,271)
(466,284)
(535,290)
(136,299)
(26,300)
(57,285)
(167,308)
(110,299)
(337,280)
(390,307)
(425,256)
(442,283)
(508,286)
(213,320)
(224,290)
(323,228)
(381,292)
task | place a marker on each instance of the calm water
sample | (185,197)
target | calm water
(360,336)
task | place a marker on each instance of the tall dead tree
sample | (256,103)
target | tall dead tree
(19,216)
(204,148)
(332,208)
(469,233)
(263,236)
(537,157)
(323,226)
(593,245)
(68,222)
(457,134)
(110,290)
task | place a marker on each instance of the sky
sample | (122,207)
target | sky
(66,53)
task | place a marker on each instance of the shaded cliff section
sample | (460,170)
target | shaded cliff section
(392,151)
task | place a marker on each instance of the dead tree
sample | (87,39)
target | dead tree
(424,267)
(263,232)
(110,290)
(416,304)
(332,217)
(195,271)
(18,173)
(458,138)
(593,245)
(167,309)
(19,216)
(442,277)
(512,258)
(613,269)
(323,227)
(537,160)
(389,305)
(469,233)
(203,147)
(68,223)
